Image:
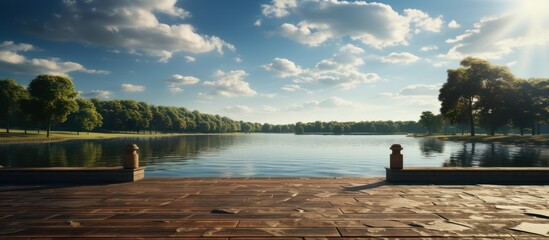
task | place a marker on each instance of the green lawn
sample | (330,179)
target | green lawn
(33,136)
(511,139)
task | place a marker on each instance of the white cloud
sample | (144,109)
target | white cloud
(324,20)
(341,70)
(238,59)
(283,67)
(239,109)
(428,48)
(132,25)
(422,21)
(332,102)
(267,108)
(189,59)
(12,61)
(230,84)
(128,87)
(257,23)
(423,95)
(495,37)
(277,8)
(321,20)
(402,57)
(420,89)
(291,87)
(511,63)
(454,24)
(176,81)
(104,94)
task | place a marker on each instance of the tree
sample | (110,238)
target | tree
(86,118)
(11,95)
(477,87)
(338,129)
(52,99)
(430,121)
(299,128)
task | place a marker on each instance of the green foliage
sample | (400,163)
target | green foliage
(430,121)
(86,118)
(477,91)
(11,97)
(52,99)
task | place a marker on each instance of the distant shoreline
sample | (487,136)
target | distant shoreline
(505,139)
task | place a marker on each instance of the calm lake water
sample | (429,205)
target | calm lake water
(271,155)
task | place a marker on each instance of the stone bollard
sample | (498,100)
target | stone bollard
(396,157)
(131,158)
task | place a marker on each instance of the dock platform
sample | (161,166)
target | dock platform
(273,208)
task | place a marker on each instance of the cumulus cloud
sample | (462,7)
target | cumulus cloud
(422,21)
(238,59)
(283,67)
(104,94)
(128,87)
(132,25)
(341,70)
(12,60)
(402,57)
(454,24)
(257,23)
(189,59)
(277,8)
(230,84)
(324,20)
(428,48)
(321,20)
(495,37)
(176,81)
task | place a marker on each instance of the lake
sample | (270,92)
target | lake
(271,155)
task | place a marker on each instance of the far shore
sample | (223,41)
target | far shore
(505,139)
(18,136)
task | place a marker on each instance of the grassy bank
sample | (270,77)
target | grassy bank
(18,136)
(507,139)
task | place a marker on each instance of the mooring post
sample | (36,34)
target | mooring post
(396,157)
(131,158)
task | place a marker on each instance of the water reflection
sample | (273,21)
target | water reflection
(430,146)
(496,155)
(270,155)
(109,152)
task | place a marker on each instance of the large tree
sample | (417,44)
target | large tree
(476,89)
(52,98)
(430,121)
(86,118)
(11,96)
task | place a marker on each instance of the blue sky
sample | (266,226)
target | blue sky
(279,61)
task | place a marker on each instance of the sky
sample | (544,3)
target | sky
(278,61)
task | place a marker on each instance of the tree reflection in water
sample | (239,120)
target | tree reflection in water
(430,146)
(496,155)
(110,152)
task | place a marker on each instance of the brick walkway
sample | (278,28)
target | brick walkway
(279,208)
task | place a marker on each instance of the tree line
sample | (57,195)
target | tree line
(51,102)
(363,127)
(480,94)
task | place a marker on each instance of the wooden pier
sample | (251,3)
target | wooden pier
(273,208)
